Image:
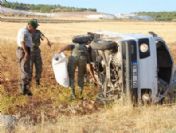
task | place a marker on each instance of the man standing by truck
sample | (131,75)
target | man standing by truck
(24,42)
(79,59)
(36,59)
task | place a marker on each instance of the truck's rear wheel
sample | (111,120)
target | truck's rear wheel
(82,39)
(146,99)
(103,45)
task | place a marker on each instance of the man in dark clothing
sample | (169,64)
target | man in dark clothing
(36,59)
(79,59)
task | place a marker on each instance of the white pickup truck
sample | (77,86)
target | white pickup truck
(137,65)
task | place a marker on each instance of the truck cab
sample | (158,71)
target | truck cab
(137,65)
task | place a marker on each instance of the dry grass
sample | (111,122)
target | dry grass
(119,119)
(50,108)
(63,32)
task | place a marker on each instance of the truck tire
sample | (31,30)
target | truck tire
(103,45)
(82,39)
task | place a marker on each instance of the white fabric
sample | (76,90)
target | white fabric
(24,36)
(59,64)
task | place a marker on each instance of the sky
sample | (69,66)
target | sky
(112,6)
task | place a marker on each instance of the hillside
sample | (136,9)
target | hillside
(43,8)
(12,12)
(19,15)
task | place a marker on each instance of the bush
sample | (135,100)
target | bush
(160,16)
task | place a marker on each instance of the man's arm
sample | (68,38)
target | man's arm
(68,47)
(26,51)
(44,37)
(23,37)
(48,42)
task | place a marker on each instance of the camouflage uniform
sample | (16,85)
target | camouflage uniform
(24,69)
(36,55)
(79,58)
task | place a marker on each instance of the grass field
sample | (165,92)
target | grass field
(62,33)
(50,111)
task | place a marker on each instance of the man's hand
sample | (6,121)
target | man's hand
(26,56)
(26,51)
(68,47)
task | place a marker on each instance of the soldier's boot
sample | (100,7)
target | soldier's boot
(26,90)
(37,83)
(81,93)
(72,96)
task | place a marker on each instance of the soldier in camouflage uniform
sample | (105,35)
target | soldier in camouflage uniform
(36,59)
(78,59)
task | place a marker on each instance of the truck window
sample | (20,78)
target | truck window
(132,49)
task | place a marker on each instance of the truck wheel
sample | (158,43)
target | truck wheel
(146,99)
(82,39)
(103,45)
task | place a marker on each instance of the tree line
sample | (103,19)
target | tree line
(43,7)
(160,16)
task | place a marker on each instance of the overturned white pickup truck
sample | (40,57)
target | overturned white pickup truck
(136,65)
